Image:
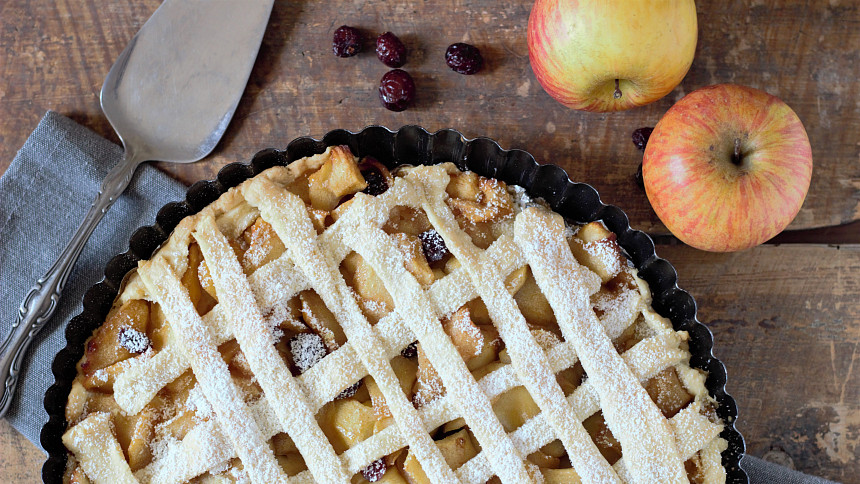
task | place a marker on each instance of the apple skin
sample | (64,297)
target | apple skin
(578,49)
(711,199)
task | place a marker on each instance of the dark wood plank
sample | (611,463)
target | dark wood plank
(20,461)
(831,235)
(56,55)
(837,234)
(785,323)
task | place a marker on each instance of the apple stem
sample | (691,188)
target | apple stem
(617,93)
(737,158)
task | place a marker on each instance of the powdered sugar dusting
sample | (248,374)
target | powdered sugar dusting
(220,468)
(608,253)
(545,339)
(93,442)
(618,311)
(133,340)
(433,245)
(375,470)
(307,350)
(520,198)
(198,403)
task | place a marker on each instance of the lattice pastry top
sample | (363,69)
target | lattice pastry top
(330,321)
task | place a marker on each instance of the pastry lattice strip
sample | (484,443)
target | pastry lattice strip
(339,250)
(256,337)
(634,418)
(98,450)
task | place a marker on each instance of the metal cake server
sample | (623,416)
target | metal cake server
(169,96)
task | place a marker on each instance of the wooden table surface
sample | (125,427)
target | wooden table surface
(786,316)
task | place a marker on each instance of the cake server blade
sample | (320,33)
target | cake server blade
(169,96)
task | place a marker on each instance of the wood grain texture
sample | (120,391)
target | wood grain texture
(786,323)
(786,318)
(56,53)
(20,460)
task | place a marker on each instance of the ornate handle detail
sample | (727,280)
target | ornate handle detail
(43,298)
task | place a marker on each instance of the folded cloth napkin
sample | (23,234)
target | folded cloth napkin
(43,197)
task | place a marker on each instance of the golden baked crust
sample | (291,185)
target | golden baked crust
(273,335)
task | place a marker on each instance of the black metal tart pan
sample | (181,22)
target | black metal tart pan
(578,202)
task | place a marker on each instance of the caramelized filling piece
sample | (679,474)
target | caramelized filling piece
(602,436)
(668,392)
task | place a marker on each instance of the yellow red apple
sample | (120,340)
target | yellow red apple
(599,55)
(727,167)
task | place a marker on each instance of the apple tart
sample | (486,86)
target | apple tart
(331,321)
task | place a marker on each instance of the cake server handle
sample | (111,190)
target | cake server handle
(42,300)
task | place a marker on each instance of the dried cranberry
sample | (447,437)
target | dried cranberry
(640,137)
(347,41)
(396,90)
(375,470)
(411,350)
(433,245)
(390,50)
(348,391)
(376,183)
(464,58)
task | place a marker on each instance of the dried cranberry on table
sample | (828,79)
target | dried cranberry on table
(347,41)
(390,50)
(396,90)
(464,58)
(640,137)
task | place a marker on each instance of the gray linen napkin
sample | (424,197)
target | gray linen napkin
(764,472)
(43,197)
